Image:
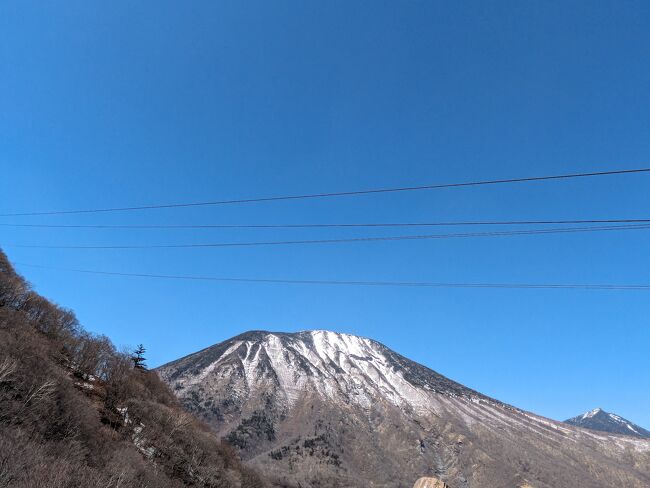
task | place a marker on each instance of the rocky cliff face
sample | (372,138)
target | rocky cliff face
(318,408)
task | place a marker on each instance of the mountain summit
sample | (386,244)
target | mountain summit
(338,366)
(320,408)
(600,420)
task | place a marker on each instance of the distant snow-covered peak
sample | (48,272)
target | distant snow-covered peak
(599,419)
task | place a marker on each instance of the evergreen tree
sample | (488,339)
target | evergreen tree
(138,357)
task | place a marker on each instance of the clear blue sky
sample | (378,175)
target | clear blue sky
(128,103)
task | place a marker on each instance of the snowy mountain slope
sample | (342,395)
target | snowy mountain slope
(600,420)
(318,408)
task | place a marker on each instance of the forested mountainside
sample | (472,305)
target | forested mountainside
(75,412)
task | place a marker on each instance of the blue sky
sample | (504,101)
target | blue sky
(123,103)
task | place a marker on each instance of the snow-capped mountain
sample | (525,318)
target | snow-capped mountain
(319,408)
(598,419)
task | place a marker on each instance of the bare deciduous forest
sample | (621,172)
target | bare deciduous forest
(75,412)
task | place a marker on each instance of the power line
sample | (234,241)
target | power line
(326,225)
(423,284)
(342,240)
(333,194)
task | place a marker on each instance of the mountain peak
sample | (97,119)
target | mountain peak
(592,413)
(599,419)
(321,361)
(260,334)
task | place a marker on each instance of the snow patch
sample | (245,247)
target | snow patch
(591,413)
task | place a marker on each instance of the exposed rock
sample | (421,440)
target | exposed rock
(430,483)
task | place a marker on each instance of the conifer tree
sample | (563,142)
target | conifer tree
(138,357)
